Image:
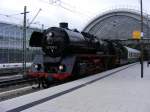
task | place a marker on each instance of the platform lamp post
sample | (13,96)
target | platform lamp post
(141,6)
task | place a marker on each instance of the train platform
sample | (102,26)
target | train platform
(118,90)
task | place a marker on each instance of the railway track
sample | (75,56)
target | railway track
(12,82)
(5,95)
(19,90)
(11,86)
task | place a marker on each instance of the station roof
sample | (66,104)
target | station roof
(118,24)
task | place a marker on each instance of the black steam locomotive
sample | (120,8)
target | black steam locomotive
(70,53)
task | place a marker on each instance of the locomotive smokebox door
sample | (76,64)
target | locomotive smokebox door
(36,39)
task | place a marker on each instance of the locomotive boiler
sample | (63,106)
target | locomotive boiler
(56,41)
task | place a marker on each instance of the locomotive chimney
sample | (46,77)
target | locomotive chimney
(63,25)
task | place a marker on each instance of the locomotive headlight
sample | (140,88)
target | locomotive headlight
(49,37)
(36,66)
(50,34)
(62,68)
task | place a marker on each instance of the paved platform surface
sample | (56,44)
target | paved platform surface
(123,91)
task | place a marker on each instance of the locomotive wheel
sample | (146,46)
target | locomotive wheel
(45,83)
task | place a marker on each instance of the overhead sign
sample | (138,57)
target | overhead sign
(136,35)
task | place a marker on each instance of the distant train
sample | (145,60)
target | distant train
(70,53)
(9,68)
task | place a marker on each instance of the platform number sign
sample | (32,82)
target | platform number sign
(136,35)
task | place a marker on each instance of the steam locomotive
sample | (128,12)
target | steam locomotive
(70,53)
